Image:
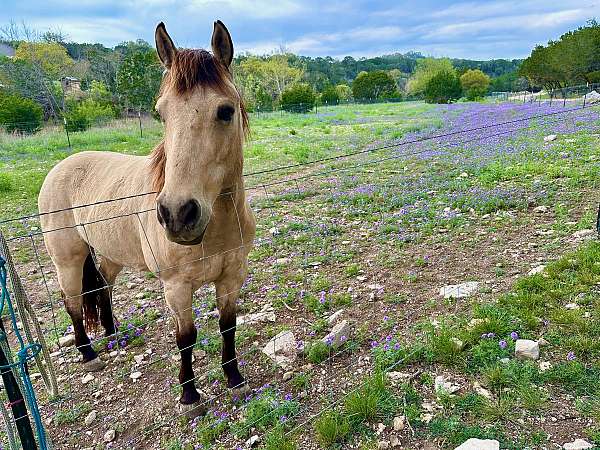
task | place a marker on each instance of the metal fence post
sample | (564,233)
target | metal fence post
(67,131)
(140,121)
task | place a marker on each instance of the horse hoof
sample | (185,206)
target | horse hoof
(94,365)
(193,410)
(239,393)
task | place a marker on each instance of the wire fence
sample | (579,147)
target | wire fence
(26,240)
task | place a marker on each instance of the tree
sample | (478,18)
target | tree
(344,92)
(574,58)
(474,83)
(443,87)
(139,77)
(272,74)
(298,98)
(20,114)
(426,69)
(373,85)
(330,95)
(51,57)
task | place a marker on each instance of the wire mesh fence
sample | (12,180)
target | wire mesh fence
(144,315)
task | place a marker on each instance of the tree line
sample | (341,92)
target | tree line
(118,81)
(572,59)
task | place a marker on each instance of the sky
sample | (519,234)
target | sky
(458,29)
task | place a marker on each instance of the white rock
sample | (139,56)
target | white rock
(537,269)
(288,376)
(135,375)
(545,365)
(479,444)
(110,435)
(66,341)
(462,290)
(443,386)
(578,444)
(252,442)
(338,334)
(89,419)
(138,358)
(249,319)
(382,445)
(540,209)
(527,349)
(399,423)
(87,378)
(482,391)
(282,261)
(584,234)
(334,317)
(550,138)
(282,349)
(571,306)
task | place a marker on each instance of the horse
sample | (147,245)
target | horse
(191,226)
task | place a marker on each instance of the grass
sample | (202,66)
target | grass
(389,220)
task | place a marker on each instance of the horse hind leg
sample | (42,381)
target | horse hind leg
(108,271)
(71,277)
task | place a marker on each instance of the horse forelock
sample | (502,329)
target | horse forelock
(198,67)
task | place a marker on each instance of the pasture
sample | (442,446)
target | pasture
(375,236)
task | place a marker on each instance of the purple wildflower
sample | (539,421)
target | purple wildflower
(322,297)
(514,335)
(571,356)
(503,344)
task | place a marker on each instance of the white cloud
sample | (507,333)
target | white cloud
(256,9)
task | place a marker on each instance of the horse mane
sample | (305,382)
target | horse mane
(191,68)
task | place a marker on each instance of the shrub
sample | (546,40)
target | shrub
(330,96)
(20,114)
(5,183)
(344,92)
(373,85)
(474,83)
(299,98)
(87,112)
(332,428)
(443,87)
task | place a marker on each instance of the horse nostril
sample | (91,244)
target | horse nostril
(189,214)
(163,214)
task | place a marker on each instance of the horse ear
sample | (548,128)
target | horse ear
(164,46)
(222,45)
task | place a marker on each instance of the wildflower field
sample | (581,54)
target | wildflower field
(369,245)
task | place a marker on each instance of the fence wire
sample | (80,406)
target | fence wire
(556,116)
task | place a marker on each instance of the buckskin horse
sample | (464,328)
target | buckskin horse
(194,228)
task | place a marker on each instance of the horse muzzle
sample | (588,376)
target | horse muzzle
(185,224)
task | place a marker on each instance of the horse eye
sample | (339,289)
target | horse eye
(225,113)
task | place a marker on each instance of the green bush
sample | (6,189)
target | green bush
(20,114)
(299,98)
(443,87)
(474,83)
(330,96)
(84,114)
(5,183)
(373,85)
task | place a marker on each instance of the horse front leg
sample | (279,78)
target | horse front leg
(227,291)
(179,299)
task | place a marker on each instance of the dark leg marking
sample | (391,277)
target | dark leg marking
(227,323)
(185,342)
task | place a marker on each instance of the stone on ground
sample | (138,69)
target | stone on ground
(479,444)
(89,419)
(282,349)
(578,444)
(66,341)
(443,386)
(338,334)
(462,290)
(550,138)
(537,269)
(399,423)
(527,349)
(110,435)
(584,234)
